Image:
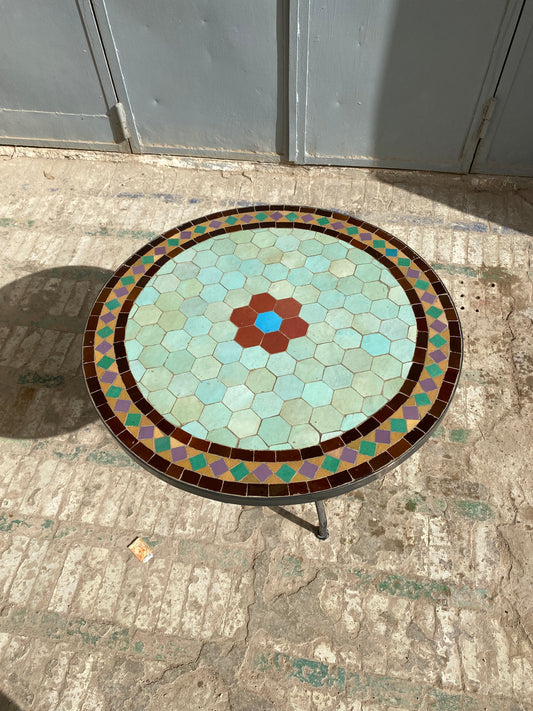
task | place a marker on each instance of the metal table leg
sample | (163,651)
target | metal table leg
(322,531)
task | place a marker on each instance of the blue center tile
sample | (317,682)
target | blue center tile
(268,321)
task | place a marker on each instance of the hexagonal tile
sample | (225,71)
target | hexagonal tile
(406,313)
(375,290)
(373,403)
(309,370)
(162,400)
(286,241)
(329,353)
(251,267)
(403,350)
(187,409)
(183,384)
(386,366)
(368,273)
(320,332)
(339,318)
(335,250)
(293,260)
(301,348)
(310,246)
(332,299)
(255,357)
(288,386)
(146,315)
(223,436)
(176,340)
(206,367)
(299,276)
(350,285)
(281,364)
(261,380)
(238,397)
(233,280)
(347,401)
(375,344)
(384,309)
(317,394)
(133,349)
(324,281)
(367,383)
(223,331)
(326,419)
(398,295)
(244,423)
(357,360)
(150,335)
(366,323)
(317,263)
(222,246)
(357,304)
(213,293)
(227,352)
(391,387)
(264,238)
(170,301)
(347,338)
(147,297)
(337,376)
(165,283)
(204,259)
(201,346)
(342,268)
(233,374)
(179,361)
(394,329)
(190,287)
(215,416)
(313,313)
(153,356)
(303,435)
(172,320)
(267,404)
(274,430)
(275,272)
(210,391)
(296,411)
(156,378)
(197,325)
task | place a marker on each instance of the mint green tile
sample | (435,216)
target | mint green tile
(183,384)
(331,464)
(324,281)
(375,344)
(337,376)
(146,315)
(147,297)
(133,349)
(223,331)
(317,394)
(367,448)
(165,283)
(156,378)
(137,369)
(373,404)
(197,325)
(153,356)
(387,367)
(281,364)
(332,299)
(406,314)
(238,397)
(233,280)
(214,416)
(357,304)
(296,411)
(340,319)
(255,357)
(326,420)
(274,430)
(375,290)
(368,273)
(394,329)
(301,348)
(337,250)
(288,386)
(201,346)
(223,436)
(267,404)
(170,301)
(368,383)
(299,276)
(195,306)
(347,401)
(133,419)
(233,374)
(309,370)
(244,423)
(210,391)
(150,335)
(197,462)
(384,309)
(178,361)
(313,313)
(403,349)
(228,352)
(260,380)
(176,340)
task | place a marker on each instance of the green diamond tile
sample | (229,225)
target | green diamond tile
(331,463)
(379,243)
(113,304)
(133,420)
(286,473)
(261,216)
(352,231)
(438,340)
(404,262)
(127,280)
(421,284)
(162,444)
(105,362)
(368,448)
(231,220)
(434,312)
(434,370)
(105,332)
(398,424)
(291,216)
(148,259)
(240,471)
(422,399)
(197,462)
(114,391)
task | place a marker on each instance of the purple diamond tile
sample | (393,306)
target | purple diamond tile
(122,291)
(215,223)
(414,273)
(219,467)
(185,235)
(178,453)
(428,384)
(262,472)
(308,217)
(410,412)
(108,317)
(122,406)
(276,215)
(365,236)
(439,326)
(246,218)
(146,432)
(429,298)
(438,356)
(109,377)
(138,269)
(348,455)
(308,469)
(104,347)
(160,250)
(337,225)
(382,436)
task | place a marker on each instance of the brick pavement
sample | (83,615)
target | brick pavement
(421,597)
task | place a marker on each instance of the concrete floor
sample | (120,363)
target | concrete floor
(420,599)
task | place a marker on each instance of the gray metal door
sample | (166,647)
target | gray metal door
(200,78)
(55,87)
(396,83)
(506,145)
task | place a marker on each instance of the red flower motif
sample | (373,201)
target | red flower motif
(291,326)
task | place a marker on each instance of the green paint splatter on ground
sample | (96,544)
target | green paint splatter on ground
(47,523)
(113,459)
(45,380)
(290,567)
(455,269)
(475,510)
(459,435)
(438,433)
(399,586)
(150,542)
(7,524)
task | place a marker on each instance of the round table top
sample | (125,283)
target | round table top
(272,354)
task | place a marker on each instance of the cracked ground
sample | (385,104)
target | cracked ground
(421,597)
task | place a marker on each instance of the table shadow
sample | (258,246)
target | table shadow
(42,320)
(7,704)
(293,518)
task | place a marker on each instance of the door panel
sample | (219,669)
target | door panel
(203,78)
(401,83)
(507,147)
(51,91)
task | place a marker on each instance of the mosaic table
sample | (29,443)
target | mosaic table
(272,355)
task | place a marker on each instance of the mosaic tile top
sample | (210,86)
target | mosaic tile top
(272,352)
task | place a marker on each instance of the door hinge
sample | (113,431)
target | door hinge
(119,123)
(488,111)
